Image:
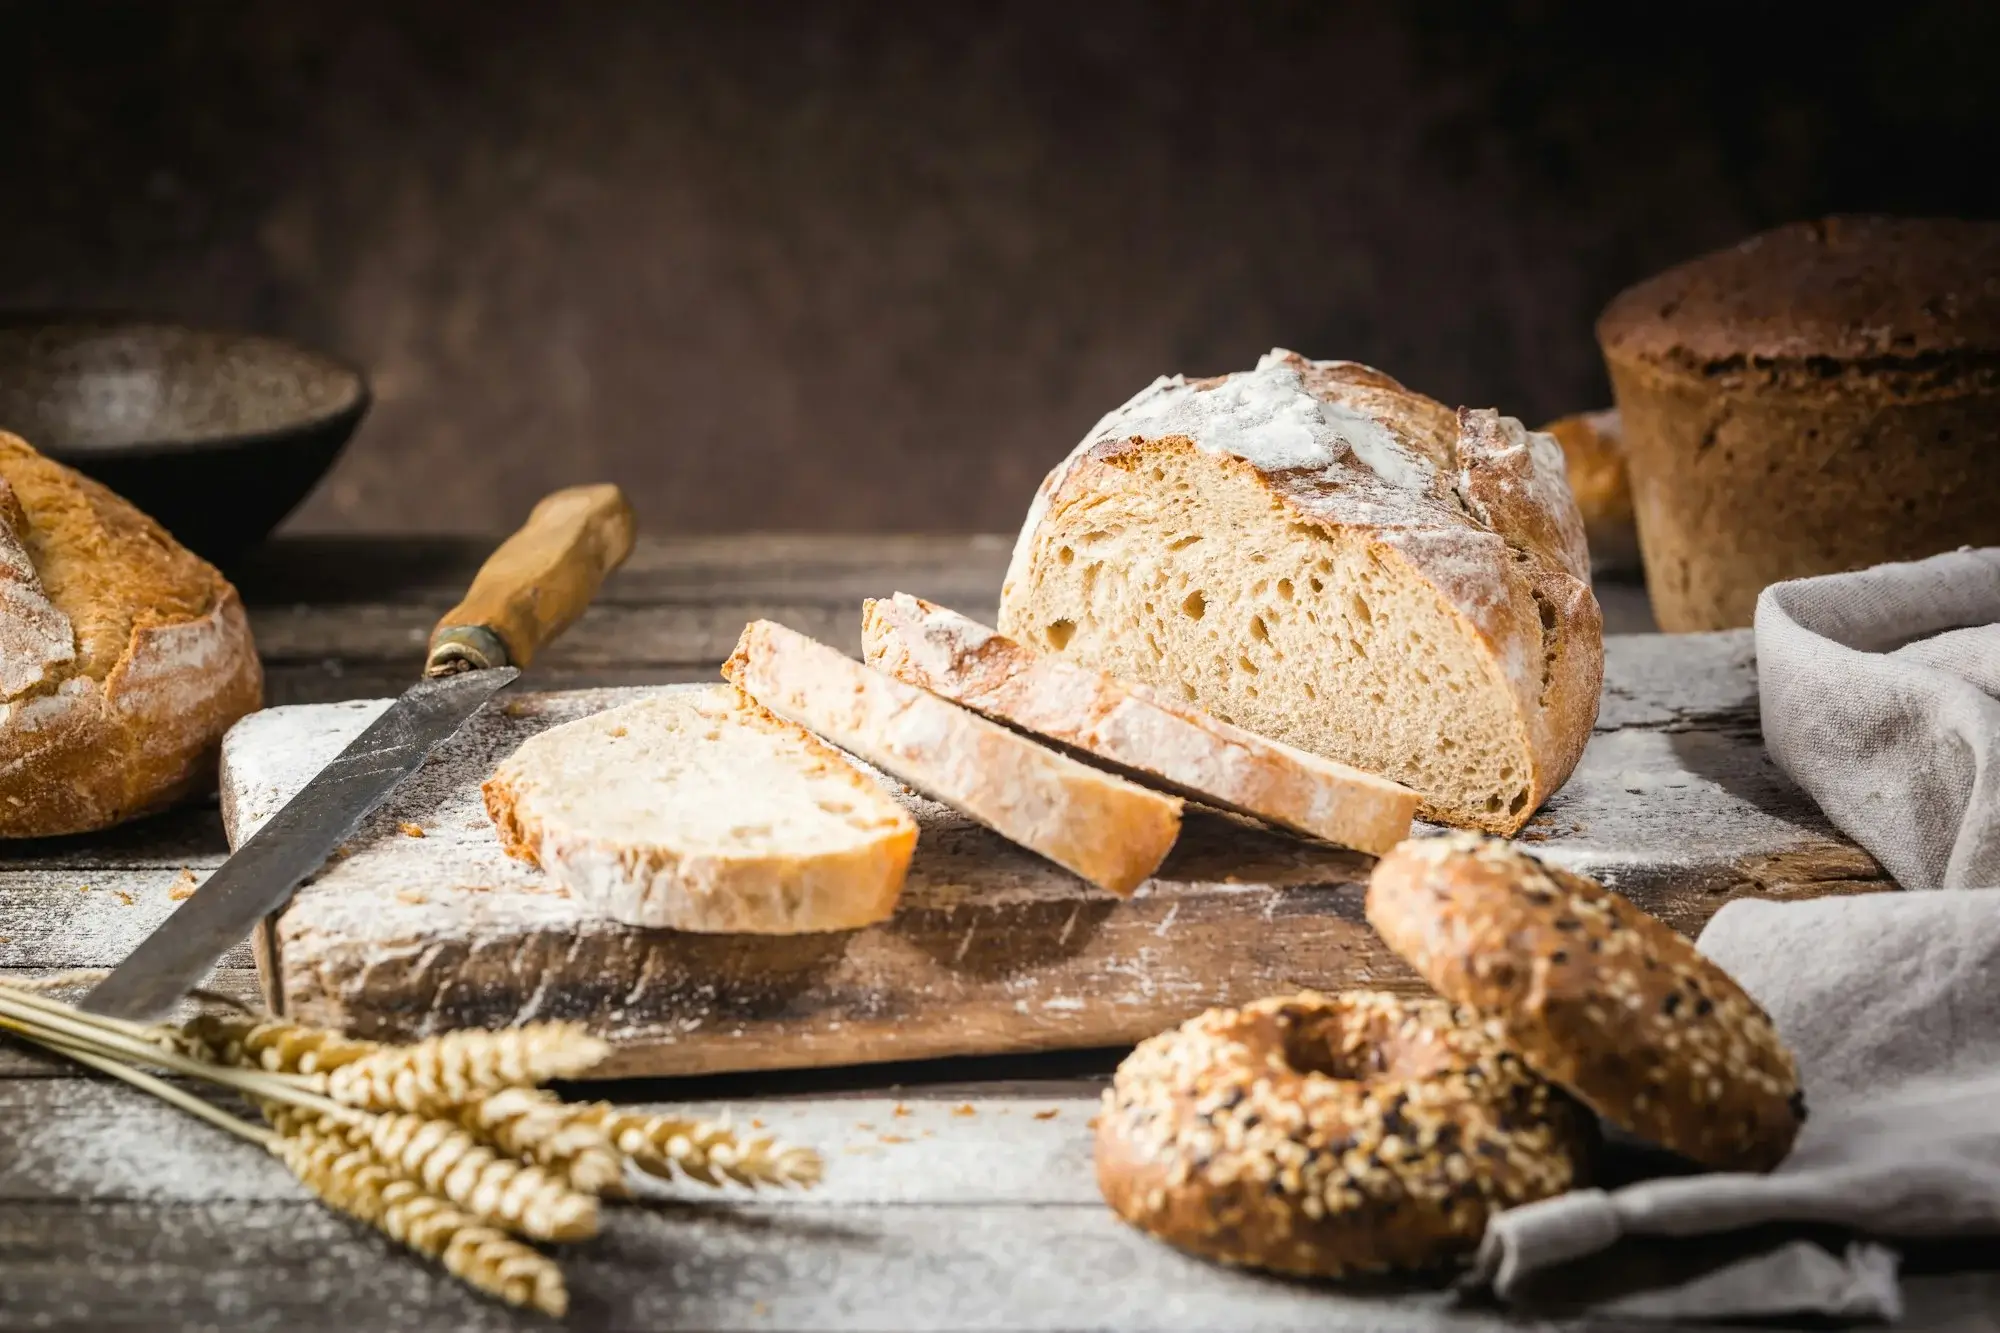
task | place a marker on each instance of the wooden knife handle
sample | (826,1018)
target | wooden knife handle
(537,583)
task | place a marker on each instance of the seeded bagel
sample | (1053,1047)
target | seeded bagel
(1595,995)
(1320,1135)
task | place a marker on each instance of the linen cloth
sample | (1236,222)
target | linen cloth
(1880,693)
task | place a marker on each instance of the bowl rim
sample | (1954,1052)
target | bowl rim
(360,398)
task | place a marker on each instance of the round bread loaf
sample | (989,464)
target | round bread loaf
(1313,552)
(1595,995)
(1825,396)
(1320,1135)
(123,656)
(1594,457)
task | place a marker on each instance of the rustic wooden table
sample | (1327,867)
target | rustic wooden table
(959,1193)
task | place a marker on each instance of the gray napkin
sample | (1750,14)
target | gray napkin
(1881,697)
(1892,1004)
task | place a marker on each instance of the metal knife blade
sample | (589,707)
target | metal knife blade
(261,875)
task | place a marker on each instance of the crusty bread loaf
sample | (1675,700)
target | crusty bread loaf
(1150,738)
(699,810)
(1594,459)
(1110,831)
(1824,396)
(123,656)
(1313,552)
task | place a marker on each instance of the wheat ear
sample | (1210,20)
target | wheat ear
(287,1048)
(450,1163)
(354,1181)
(539,1127)
(704,1150)
(440,1073)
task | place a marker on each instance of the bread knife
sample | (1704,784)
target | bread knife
(529,590)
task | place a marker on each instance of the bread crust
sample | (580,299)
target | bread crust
(1594,995)
(1103,828)
(1189,752)
(1488,522)
(1594,458)
(1923,292)
(715,889)
(159,661)
(1325,1135)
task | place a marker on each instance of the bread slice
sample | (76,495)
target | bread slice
(1313,552)
(1110,831)
(1188,751)
(698,810)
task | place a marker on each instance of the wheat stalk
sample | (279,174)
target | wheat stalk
(443,1145)
(707,1151)
(440,1073)
(353,1180)
(271,1044)
(52,1022)
(539,1127)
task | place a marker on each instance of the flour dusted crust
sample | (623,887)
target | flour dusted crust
(1100,827)
(123,657)
(1321,1135)
(1151,738)
(1386,483)
(1595,995)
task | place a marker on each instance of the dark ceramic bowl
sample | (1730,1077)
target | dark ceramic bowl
(216,435)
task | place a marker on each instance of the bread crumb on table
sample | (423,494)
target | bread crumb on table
(1049,1114)
(963,1108)
(124,897)
(183,886)
(902,1111)
(411,830)
(411,896)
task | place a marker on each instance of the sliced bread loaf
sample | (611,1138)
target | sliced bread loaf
(699,810)
(1313,552)
(1110,831)
(1192,753)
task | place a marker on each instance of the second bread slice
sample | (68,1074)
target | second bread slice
(698,810)
(1111,832)
(1200,756)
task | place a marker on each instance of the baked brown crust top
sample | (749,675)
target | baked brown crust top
(1595,995)
(1847,288)
(1325,1134)
(158,659)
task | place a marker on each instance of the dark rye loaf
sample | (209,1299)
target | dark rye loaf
(1824,396)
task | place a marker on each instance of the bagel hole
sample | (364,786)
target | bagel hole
(1309,1049)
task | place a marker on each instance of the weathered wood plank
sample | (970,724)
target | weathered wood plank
(99,1141)
(833,568)
(190,836)
(992,950)
(57,918)
(606,636)
(282,1266)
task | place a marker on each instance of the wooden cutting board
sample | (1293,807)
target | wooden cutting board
(425,925)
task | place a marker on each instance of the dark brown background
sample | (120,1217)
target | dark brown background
(861,265)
